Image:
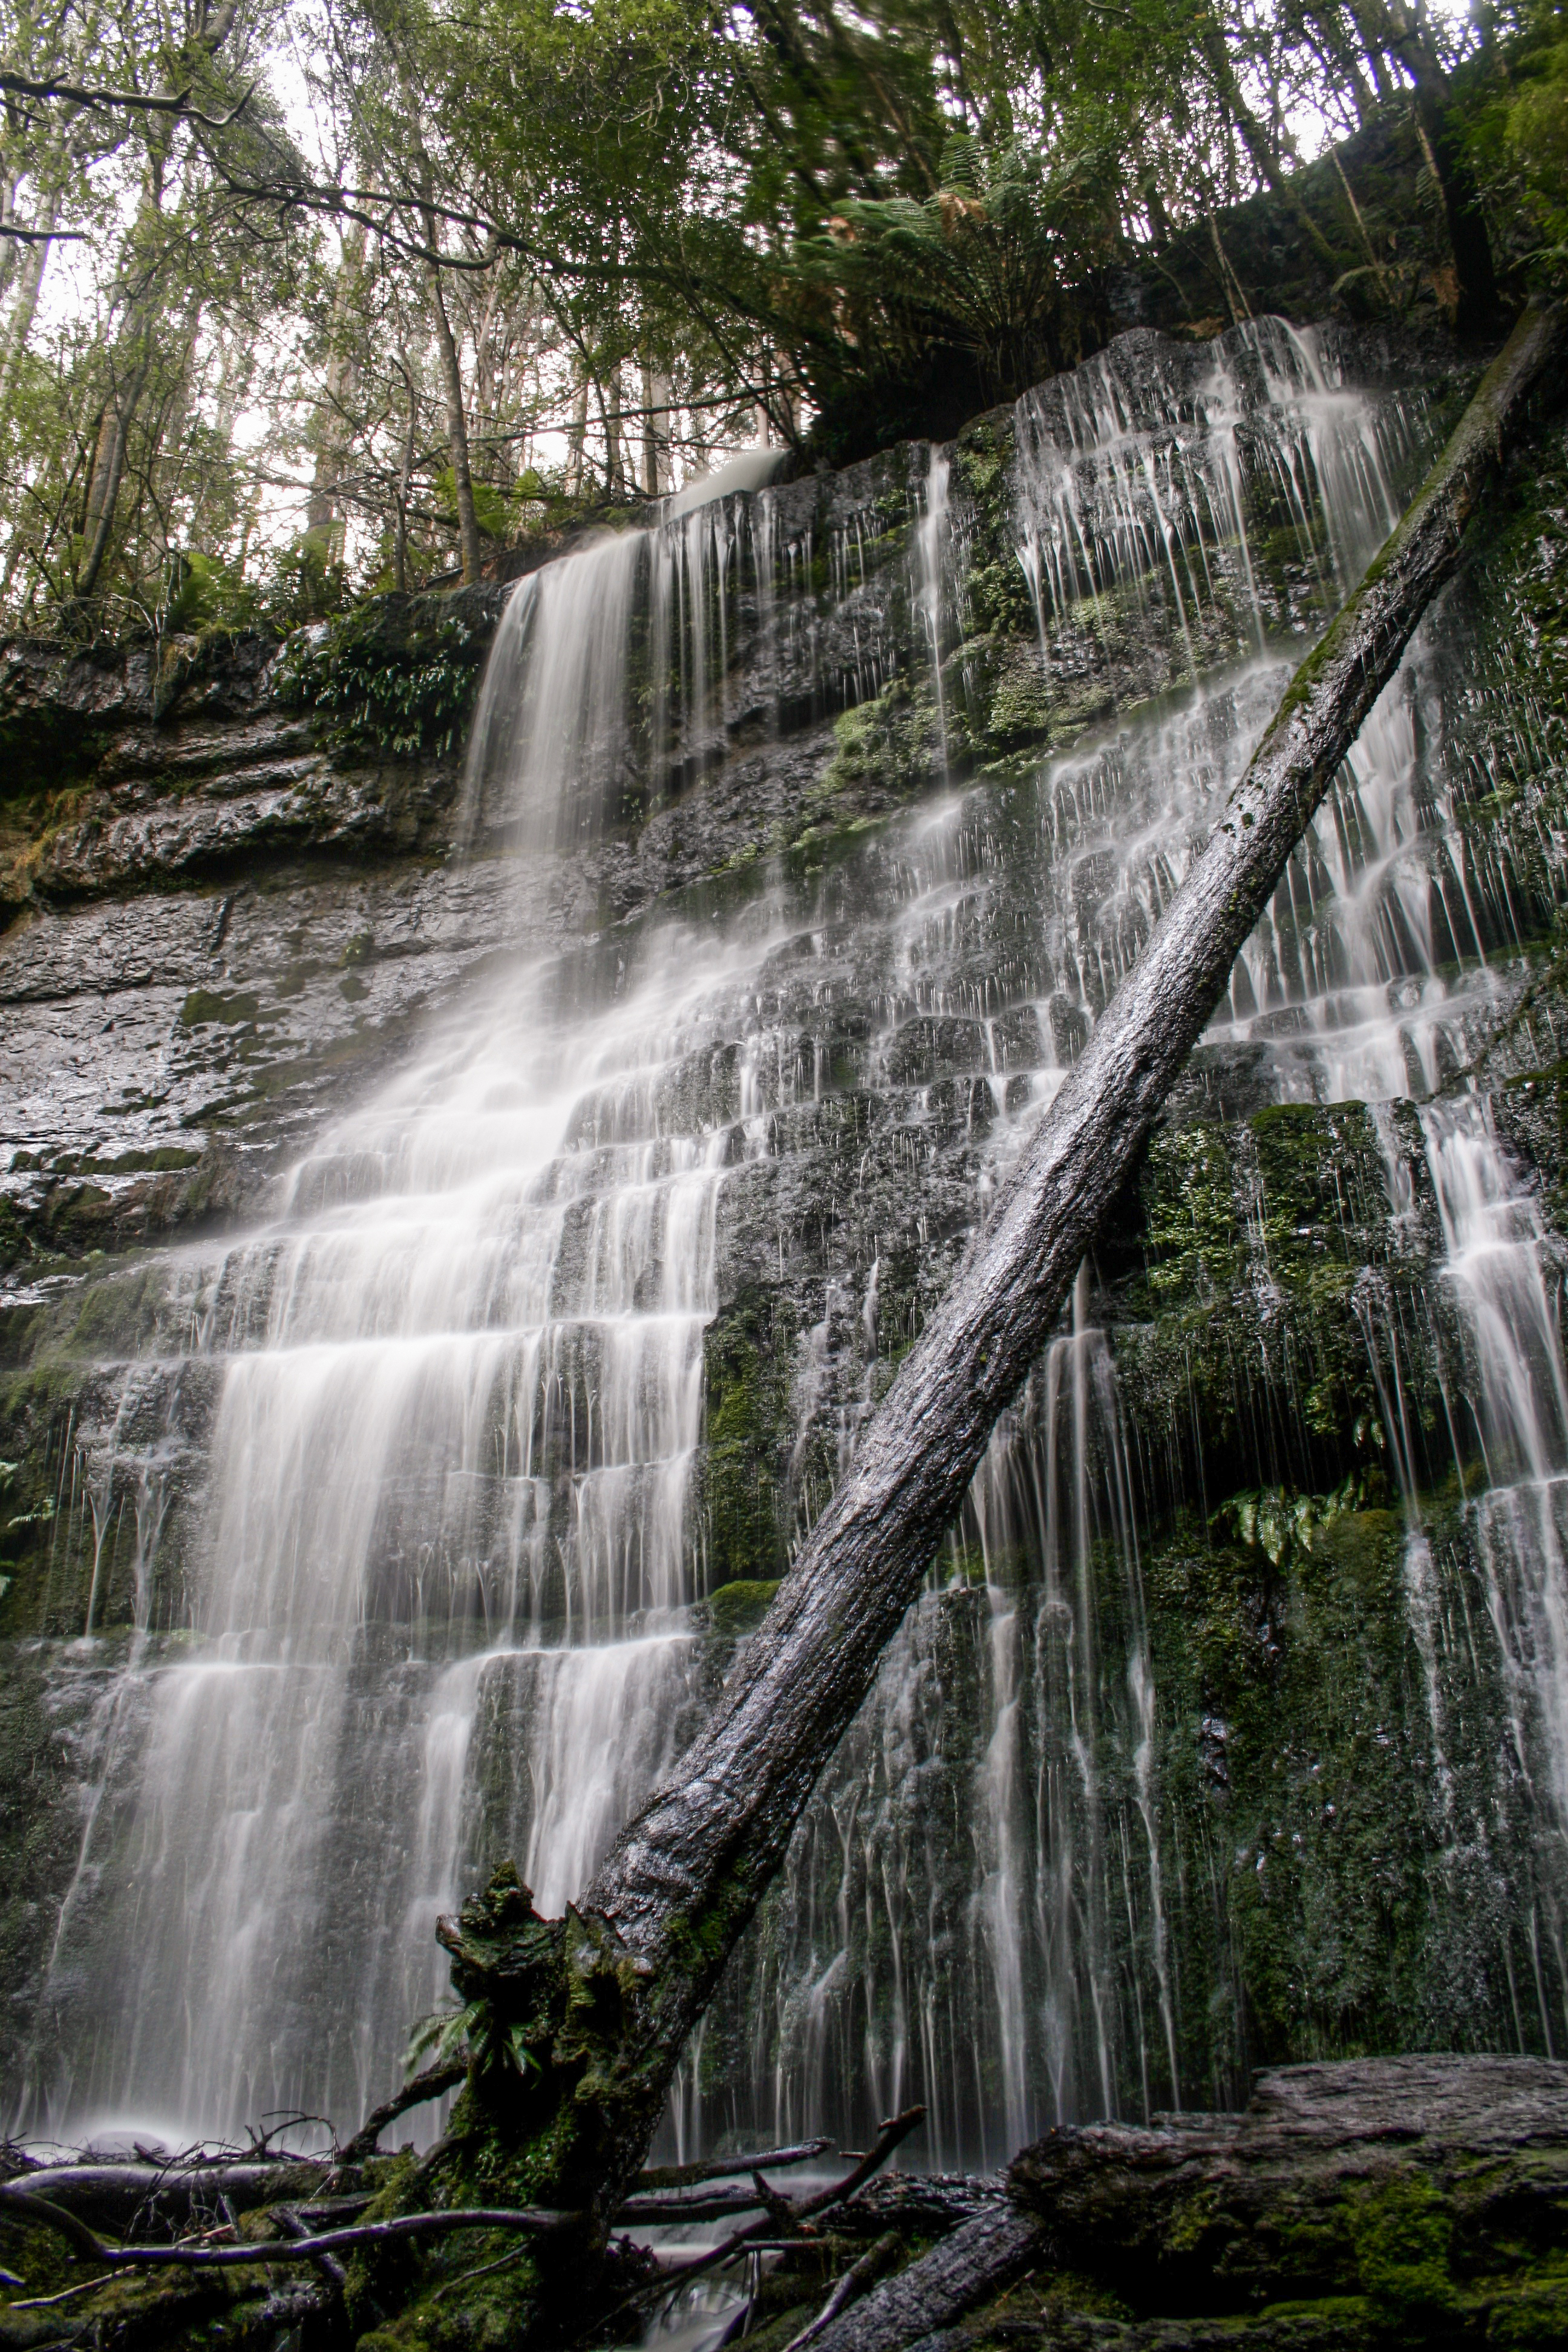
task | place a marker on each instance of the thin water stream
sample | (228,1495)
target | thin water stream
(442,1605)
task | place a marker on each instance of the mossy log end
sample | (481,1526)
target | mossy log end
(586,2016)
(1416,2200)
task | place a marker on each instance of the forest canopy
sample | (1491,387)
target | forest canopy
(304,299)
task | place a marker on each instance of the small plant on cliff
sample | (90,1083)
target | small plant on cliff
(383,678)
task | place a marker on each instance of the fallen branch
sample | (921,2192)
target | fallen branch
(720,2167)
(539,2221)
(298,2230)
(855,2282)
(44,2302)
(891,2137)
(677,2205)
(430,2085)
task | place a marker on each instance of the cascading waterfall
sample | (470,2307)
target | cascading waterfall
(442,1604)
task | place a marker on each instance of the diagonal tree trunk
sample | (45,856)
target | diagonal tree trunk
(579,2022)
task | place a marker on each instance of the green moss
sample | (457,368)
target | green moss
(740,1608)
(1403,2232)
(204,1004)
(740,1479)
(1532,2317)
(888,744)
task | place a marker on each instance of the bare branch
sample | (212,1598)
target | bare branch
(167,101)
(537,2220)
(430,2085)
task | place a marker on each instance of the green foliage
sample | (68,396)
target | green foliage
(1517,135)
(983,267)
(396,675)
(443,2035)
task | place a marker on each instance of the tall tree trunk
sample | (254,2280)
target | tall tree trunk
(576,440)
(611,410)
(1401,30)
(457,432)
(108,473)
(655,432)
(447,347)
(1254,137)
(325,512)
(580,2020)
(24,300)
(405,476)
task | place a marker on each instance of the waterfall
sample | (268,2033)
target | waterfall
(446,1598)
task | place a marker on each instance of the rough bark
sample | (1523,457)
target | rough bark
(966,2270)
(1221,2212)
(587,2015)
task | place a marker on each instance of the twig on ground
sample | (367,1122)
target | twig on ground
(483,2271)
(42,2301)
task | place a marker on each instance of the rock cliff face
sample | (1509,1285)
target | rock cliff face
(1231,1728)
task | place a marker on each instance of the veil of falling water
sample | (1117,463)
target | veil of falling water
(443,1603)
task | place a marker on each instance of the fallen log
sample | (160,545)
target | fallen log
(966,2269)
(1352,2206)
(857,2280)
(1221,2213)
(610,1994)
(923,2204)
(673,2205)
(114,2194)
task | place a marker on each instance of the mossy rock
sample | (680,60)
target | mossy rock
(739,1608)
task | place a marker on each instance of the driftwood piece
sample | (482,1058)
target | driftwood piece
(966,2269)
(685,1876)
(1217,2213)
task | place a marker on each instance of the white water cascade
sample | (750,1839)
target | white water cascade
(441,1605)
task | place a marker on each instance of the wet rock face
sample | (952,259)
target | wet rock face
(1192,1756)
